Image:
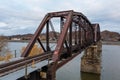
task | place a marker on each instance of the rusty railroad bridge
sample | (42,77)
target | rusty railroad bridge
(86,38)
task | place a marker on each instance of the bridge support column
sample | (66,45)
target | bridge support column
(48,72)
(91,60)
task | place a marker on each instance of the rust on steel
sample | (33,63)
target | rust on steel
(16,65)
(70,17)
(62,36)
(35,37)
(76,34)
(40,28)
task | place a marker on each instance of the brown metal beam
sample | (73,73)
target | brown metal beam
(75,33)
(79,35)
(61,23)
(70,39)
(41,44)
(62,37)
(47,36)
(34,38)
(59,14)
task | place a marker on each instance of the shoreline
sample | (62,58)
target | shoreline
(103,42)
(111,42)
(28,41)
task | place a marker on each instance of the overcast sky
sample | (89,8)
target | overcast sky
(24,16)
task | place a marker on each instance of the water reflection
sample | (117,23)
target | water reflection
(71,71)
(89,76)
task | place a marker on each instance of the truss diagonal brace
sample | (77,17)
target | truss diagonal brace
(61,39)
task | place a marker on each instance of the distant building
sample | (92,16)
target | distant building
(15,39)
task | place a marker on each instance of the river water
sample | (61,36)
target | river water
(110,69)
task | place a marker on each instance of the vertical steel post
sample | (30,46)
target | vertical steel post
(79,36)
(26,74)
(85,33)
(85,41)
(47,36)
(66,44)
(61,23)
(15,54)
(70,39)
(75,34)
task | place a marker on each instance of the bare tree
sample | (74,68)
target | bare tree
(3,45)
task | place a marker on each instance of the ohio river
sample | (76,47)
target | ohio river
(110,69)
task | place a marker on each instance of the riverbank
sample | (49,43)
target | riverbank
(103,42)
(28,41)
(18,40)
(111,42)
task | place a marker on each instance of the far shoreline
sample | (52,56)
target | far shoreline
(28,41)
(111,42)
(103,42)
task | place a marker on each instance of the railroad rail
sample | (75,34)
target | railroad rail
(19,64)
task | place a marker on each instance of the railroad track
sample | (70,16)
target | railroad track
(19,64)
(13,66)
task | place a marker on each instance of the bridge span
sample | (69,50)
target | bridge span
(76,34)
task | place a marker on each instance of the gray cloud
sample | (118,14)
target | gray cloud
(24,16)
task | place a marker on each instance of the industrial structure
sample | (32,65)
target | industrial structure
(77,34)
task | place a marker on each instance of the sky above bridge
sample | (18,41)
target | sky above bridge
(24,16)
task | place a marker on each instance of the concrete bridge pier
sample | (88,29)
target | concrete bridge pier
(91,60)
